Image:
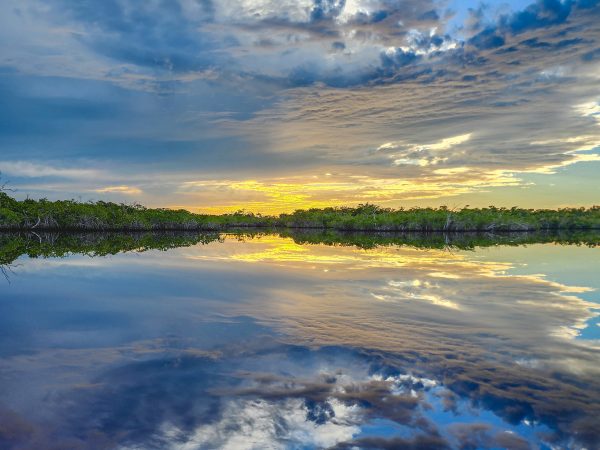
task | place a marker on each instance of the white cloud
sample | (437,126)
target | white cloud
(129,190)
(447,143)
(590,109)
(33,170)
(259,424)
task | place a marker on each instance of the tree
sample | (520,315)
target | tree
(6,201)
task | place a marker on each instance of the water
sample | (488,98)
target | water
(268,341)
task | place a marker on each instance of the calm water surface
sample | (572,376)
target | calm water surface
(269,343)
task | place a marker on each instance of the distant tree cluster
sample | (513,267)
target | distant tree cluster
(105,216)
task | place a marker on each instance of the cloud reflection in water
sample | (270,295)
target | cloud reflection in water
(270,344)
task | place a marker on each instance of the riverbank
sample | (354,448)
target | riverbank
(69,215)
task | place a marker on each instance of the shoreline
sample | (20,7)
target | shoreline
(226,228)
(69,215)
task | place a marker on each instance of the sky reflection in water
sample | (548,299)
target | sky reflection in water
(266,343)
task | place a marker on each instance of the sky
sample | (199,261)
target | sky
(271,106)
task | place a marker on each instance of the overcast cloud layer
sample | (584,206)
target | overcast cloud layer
(274,105)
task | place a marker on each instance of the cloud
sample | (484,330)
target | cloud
(158,43)
(415,290)
(166,37)
(542,13)
(381,443)
(487,39)
(477,435)
(33,170)
(394,58)
(129,190)
(263,91)
(270,424)
(423,155)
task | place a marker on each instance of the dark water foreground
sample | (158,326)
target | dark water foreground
(311,340)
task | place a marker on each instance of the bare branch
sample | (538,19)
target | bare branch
(5,271)
(4,185)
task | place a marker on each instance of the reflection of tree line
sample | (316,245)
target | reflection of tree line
(440,240)
(58,245)
(45,245)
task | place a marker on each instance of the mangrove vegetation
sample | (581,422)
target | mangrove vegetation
(107,216)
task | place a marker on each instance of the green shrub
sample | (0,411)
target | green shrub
(103,216)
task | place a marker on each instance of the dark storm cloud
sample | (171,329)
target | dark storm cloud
(541,14)
(172,38)
(196,37)
(158,35)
